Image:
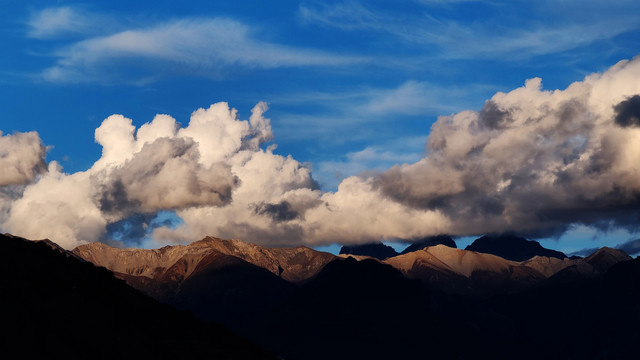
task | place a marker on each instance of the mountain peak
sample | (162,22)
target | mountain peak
(430,241)
(512,247)
(292,264)
(376,250)
(604,258)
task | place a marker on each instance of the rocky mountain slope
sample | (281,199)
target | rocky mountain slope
(167,273)
(465,272)
(291,264)
(430,241)
(55,305)
(221,280)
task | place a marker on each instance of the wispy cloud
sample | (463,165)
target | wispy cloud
(369,160)
(365,113)
(415,97)
(489,35)
(64,21)
(197,46)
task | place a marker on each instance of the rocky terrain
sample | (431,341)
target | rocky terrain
(291,264)
(430,241)
(167,273)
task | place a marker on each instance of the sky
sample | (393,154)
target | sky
(319,122)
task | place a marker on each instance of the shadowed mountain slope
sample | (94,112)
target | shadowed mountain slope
(588,318)
(56,305)
(226,281)
(365,310)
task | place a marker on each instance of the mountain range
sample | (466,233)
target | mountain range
(435,302)
(56,305)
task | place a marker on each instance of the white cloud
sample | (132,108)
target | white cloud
(202,46)
(532,161)
(415,97)
(159,167)
(544,28)
(64,21)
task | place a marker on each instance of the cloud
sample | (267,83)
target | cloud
(531,161)
(631,247)
(21,158)
(628,112)
(198,46)
(413,98)
(55,21)
(370,160)
(491,34)
(158,167)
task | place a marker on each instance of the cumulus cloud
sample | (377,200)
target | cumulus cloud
(531,161)
(161,166)
(21,158)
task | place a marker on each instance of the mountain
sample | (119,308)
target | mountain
(291,264)
(227,281)
(438,302)
(592,266)
(376,250)
(588,318)
(603,259)
(56,305)
(465,272)
(365,310)
(430,241)
(512,247)
(548,266)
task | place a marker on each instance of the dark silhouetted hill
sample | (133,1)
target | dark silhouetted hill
(57,306)
(365,310)
(512,247)
(376,250)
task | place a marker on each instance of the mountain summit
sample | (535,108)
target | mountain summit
(376,250)
(512,247)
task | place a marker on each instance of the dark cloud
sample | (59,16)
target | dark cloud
(628,112)
(114,199)
(165,174)
(278,212)
(492,117)
(631,247)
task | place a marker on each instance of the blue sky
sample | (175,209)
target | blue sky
(351,86)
